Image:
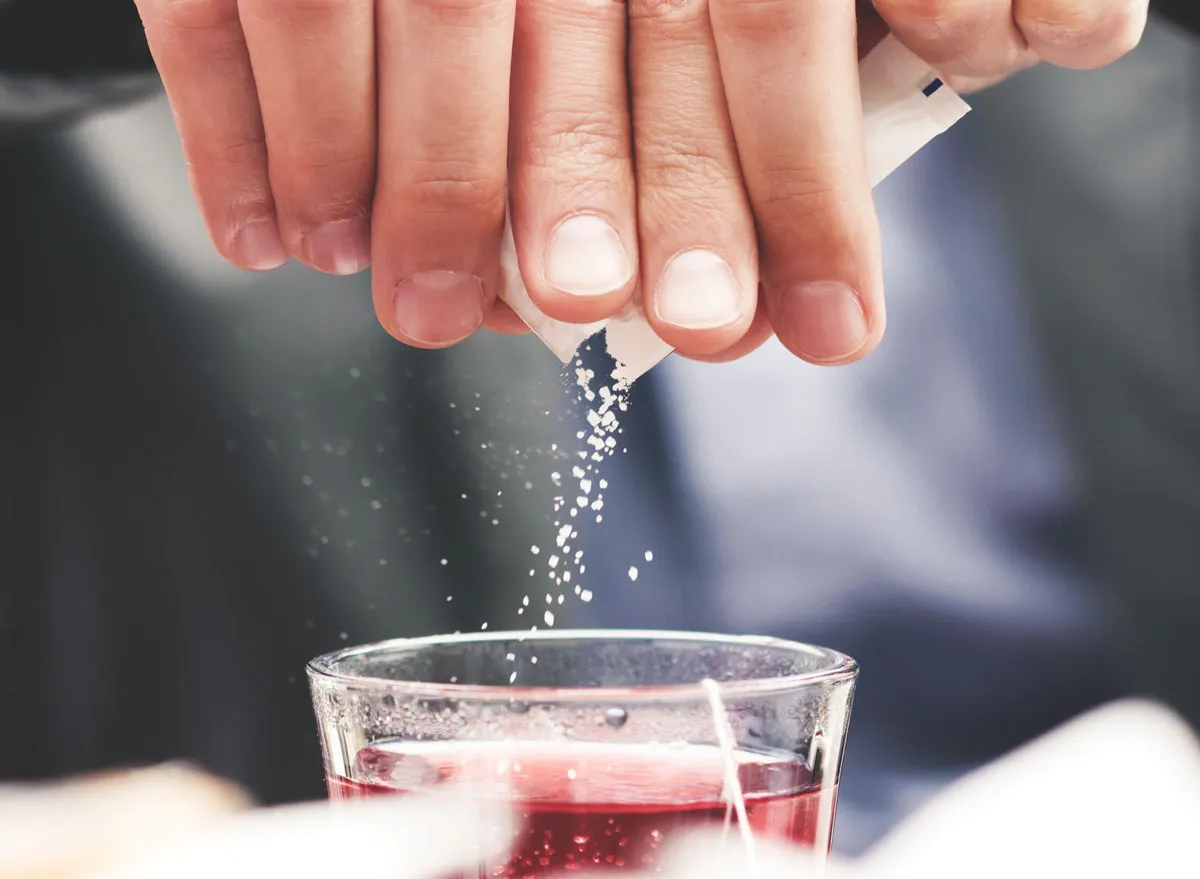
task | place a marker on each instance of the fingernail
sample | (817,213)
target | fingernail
(342,247)
(825,319)
(260,246)
(585,257)
(439,308)
(698,291)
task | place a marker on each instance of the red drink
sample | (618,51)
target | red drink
(603,806)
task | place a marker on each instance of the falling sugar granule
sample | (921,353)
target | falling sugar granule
(585,491)
(580,483)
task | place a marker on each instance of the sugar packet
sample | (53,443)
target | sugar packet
(905,106)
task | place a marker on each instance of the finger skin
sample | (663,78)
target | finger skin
(440,198)
(983,41)
(202,57)
(699,254)
(1081,34)
(791,75)
(572,192)
(975,39)
(314,66)
(871,31)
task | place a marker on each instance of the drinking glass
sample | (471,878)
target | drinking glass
(607,744)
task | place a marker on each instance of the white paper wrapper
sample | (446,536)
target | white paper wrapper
(905,106)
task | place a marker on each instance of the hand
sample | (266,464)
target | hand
(356,132)
(750,160)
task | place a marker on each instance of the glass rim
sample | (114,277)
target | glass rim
(835,667)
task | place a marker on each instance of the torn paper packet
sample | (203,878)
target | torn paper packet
(905,106)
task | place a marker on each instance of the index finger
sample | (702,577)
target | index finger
(790,69)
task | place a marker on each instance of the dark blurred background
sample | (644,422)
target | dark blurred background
(207,477)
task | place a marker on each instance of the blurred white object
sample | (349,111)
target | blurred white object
(385,838)
(905,106)
(174,822)
(1115,793)
(65,830)
(1112,795)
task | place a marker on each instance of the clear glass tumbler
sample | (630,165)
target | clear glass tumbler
(606,743)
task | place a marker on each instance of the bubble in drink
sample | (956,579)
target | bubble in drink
(616,717)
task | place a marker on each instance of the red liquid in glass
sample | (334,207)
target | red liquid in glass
(603,808)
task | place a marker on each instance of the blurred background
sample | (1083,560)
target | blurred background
(208,477)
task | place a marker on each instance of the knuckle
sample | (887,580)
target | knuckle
(694,179)
(320,210)
(797,198)
(302,6)
(439,187)
(196,15)
(324,187)
(463,12)
(672,166)
(667,10)
(589,18)
(1113,29)
(798,209)
(573,141)
(302,13)
(932,20)
(319,160)
(802,194)
(693,206)
(229,154)
(755,20)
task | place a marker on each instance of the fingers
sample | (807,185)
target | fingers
(699,257)
(572,184)
(986,40)
(314,66)
(440,193)
(274,101)
(1081,34)
(791,72)
(960,38)
(205,66)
